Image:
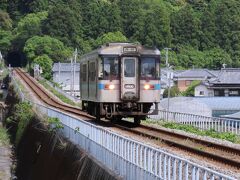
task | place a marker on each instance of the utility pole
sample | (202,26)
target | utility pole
(71,86)
(167,64)
(59,72)
(74,69)
(1,56)
(169,77)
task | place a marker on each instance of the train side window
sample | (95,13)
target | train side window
(84,72)
(92,71)
(100,68)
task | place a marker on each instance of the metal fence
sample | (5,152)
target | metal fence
(201,122)
(128,158)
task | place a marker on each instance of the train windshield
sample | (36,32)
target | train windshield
(110,68)
(149,68)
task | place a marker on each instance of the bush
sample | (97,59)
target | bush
(54,124)
(22,115)
(190,90)
(174,91)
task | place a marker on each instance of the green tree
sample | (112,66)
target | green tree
(46,64)
(227,22)
(28,27)
(185,27)
(100,17)
(5,41)
(53,48)
(130,10)
(208,30)
(216,57)
(3,5)
(30,6)
(110,37)
(190,90)
(187,57)
(82,45)
(5,21)
(64,23)
(174,91)
(228,28)
(152,28)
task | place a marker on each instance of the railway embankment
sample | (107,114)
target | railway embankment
(42,153)
(6,161)
(6,155)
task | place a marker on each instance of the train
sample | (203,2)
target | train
(120,80)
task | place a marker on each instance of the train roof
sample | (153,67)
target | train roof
(122,48)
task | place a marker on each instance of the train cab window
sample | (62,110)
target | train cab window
(149,68)
(110,68)
(129,67)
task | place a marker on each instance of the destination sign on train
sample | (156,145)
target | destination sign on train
(129,49)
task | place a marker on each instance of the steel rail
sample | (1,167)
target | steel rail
(163,136)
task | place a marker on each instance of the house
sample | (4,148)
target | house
(226,83)
(185,78)
(63,75)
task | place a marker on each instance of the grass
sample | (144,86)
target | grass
(191,129)
(23,114)
(54,124)
(56,93)
(4,137)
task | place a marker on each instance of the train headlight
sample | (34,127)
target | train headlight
(110,86)
(148,86)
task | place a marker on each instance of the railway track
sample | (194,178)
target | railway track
(47,98)
(217,152)
(213,151)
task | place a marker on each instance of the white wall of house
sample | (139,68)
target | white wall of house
(202,91)
(64,79)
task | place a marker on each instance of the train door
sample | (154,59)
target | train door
(92,81)
(84,81)
(129,79)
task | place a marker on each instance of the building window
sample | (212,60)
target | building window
(219,92)
(187,83)
(233,92)
(201,93)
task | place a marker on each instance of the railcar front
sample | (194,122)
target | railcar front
(121,80)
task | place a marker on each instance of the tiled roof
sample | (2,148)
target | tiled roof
(195,73)
(65,67)
(227,76)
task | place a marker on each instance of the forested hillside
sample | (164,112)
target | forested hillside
(201,33)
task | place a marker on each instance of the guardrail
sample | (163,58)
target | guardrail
(128,158)
(201,122)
